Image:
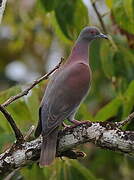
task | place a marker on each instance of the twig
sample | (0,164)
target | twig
(111,42)
(18,134)
(10,176)
(105,14)
(99,17)
(127,120)
(26,91)
(30,131)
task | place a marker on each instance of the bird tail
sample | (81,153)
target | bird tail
(48,149)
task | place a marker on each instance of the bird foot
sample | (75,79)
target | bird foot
(76,122)
(65,126)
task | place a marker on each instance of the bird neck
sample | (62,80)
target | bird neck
(80,52)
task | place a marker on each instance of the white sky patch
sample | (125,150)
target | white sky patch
(55,54)
(18,71)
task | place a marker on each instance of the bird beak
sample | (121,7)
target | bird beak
(102,36)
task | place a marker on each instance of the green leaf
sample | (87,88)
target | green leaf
(50,5)
(80,172)
(128,7)
(109,110)
(123,62)
(109,3)
(94,56)
(128,100)
(33,171)
(123,13)
(58,31)
(122,66)
(4,95)
(18,109)
(84,114)
(67,169)
(128,55)
(71,17)
(107,54)
(21,113)
(5,138)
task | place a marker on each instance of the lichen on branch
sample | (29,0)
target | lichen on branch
(103,134)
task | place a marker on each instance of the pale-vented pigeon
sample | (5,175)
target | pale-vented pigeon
(64,93)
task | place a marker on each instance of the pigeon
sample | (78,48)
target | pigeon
(65,91)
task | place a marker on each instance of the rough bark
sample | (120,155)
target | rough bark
(103,134)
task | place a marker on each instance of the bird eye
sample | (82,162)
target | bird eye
(92,32)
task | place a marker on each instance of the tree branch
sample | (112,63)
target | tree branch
(17,132)
(103,134)
(99,16)
(30,131)
(125,121)
(26,91)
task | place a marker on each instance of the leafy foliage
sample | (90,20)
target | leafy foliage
(123,14)
(49,6)
(69,19)
(107,54)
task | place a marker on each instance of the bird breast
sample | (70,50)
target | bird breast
(77,81)
(79,77)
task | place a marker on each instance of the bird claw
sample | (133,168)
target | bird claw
(76,122)
(65,126)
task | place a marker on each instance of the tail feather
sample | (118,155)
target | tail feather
(48,149)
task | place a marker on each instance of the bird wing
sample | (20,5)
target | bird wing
(53,114)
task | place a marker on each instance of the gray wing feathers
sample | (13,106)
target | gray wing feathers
(53,116)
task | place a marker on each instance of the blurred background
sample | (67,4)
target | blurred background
(34,35)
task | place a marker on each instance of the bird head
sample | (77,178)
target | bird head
(91,33)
